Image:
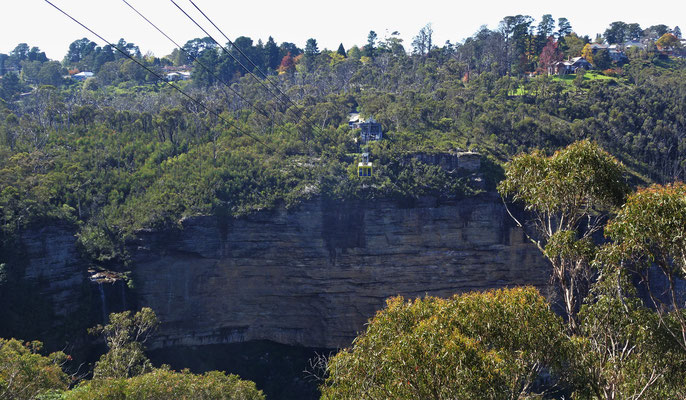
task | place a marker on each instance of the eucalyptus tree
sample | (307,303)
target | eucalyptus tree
(490,345)
(650,232)
(568,197)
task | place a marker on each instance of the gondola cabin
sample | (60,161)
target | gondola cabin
(364,168)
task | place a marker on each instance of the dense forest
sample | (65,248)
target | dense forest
(261,125)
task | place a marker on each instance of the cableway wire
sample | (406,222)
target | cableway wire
(198,102)
(222,47)
(300,117)
(243,54)
(197,60)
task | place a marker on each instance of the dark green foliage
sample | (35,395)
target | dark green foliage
(601,59)
(123,152)
(163,384)
(125,372)
(568,196)
(134,154)
(128,157)
(649,232)
(311,48)
(125,335)
(341,50)
(10,86)
(25,374)
(490,345)
(622,351)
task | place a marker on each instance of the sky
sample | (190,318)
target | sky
(330,22)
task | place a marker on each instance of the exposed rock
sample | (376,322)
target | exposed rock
(464,160)
(311,276)
(469,160)
(315,275)
(54,265)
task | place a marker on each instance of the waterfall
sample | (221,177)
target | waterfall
(103,302)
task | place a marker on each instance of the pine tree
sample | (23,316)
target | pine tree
(341,50)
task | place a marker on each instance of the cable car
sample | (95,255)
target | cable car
(364,168)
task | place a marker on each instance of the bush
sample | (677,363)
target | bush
(25,374)
(164,384)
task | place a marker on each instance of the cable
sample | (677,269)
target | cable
(195,59)
(242,53)
(162,78)
(299,115)
(223,48)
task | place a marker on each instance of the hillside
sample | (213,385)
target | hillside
(231,203)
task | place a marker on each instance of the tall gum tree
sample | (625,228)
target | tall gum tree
(650,231)
(568,197)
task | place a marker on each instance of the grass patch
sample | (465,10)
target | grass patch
(588,76)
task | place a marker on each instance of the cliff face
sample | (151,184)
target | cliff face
(54,265)
(311,276)
(315,275)
(43,285)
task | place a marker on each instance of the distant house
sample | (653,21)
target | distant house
(571,66)
(634,43)
(598,46)
(682,50)
(82,76)
(353,118)
(618,56)
(580,62)
(178,76)
(562,68)
(370,129)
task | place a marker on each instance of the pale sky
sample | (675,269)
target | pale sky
(35,22)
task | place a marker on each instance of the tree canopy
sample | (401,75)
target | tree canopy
(488,345)
(569,195)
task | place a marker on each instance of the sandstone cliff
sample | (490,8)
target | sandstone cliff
(53,264)
(310,277)
(313,276)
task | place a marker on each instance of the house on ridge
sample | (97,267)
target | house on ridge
(82,76)
(571,66)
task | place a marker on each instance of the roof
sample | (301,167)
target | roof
(634,43)
(355,118)
(86,74)
(578,59)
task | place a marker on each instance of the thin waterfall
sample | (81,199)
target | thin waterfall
(103,302)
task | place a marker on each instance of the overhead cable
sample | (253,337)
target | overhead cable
(260,81)
(197,60)
(126,54)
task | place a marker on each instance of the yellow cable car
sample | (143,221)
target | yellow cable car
(364,168)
